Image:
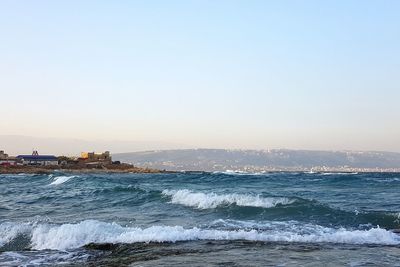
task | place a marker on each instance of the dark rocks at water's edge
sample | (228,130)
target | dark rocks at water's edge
(396,231)
(126,254)
(120,168)
(152,253)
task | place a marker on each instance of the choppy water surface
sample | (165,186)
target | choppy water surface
(203,219)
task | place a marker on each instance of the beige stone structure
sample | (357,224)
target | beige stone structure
(96,157)
(3,155)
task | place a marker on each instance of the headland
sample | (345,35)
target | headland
(88,162)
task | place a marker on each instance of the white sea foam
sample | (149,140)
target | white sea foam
(201,200)
(232,172)
(44,258)
(10,258)
(61,179)
(9,231)
(70,236)
(338,173)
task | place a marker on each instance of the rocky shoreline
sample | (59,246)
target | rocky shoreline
(122,168)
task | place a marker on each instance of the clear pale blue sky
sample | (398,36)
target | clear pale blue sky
(232,74)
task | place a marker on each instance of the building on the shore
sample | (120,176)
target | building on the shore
(9,162)
(89,157)
(38,160)
(5,160)
(3,155)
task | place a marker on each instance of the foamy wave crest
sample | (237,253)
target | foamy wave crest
(232,172)
(338,173)
(70,236)
(211,200)
(61,179)
(9,231)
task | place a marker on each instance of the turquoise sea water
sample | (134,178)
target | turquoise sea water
(200,219)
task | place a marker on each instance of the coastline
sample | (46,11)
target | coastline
(76,169)
(126,168)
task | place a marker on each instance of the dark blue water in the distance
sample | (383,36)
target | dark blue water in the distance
(203,219)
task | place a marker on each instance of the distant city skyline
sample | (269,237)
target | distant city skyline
(201,74)
(19,144)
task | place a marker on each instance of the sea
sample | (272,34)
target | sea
(200,219)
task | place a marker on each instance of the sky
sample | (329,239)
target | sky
(212,74)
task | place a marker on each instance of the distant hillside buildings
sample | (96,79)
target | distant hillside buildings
(264,160)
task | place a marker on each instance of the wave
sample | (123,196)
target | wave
(283,207)
(233,172)
(127,188)
(201,200)
(62,179)
(383,180)
(71,236)
(10,231)
(44,258)
(338,173)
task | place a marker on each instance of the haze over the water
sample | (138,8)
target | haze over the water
(221,74)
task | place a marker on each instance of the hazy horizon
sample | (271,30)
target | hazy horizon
(201,74)
(20,144)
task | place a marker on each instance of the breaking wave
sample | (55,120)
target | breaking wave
(62,179)
(71,236)
(201,200)
(10,231)
(236,172)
